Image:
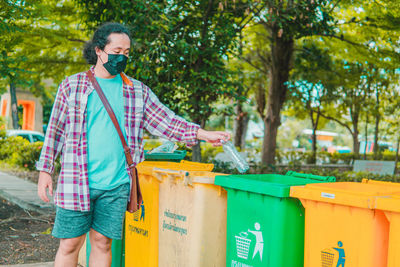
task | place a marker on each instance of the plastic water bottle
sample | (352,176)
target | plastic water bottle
(239,162)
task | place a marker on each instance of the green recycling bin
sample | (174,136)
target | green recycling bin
(175,156)
(265,226)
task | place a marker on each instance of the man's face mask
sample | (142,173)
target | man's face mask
(116,63)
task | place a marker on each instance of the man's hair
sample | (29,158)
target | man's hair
(100,39)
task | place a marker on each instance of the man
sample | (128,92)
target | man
(93,186)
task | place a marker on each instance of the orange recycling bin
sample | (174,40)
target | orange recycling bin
(343,228)
(142,227)
(391,207)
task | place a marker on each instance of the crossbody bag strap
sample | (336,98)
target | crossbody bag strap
(127,150)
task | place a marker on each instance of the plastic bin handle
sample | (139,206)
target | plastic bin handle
(159,173)
(311,176)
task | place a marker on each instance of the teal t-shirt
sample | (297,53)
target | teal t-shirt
(106,158)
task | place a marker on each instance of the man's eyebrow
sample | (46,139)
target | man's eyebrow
(118,47)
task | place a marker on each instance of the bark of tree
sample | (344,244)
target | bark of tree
(196,149)
(397,156)
(196,153)
(281,55)
(356,142)
(355,110)
(366,137)
(314,124)
(14,105)
(377,120)
(241,122)
(376,136)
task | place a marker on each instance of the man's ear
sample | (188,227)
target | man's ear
(98,50)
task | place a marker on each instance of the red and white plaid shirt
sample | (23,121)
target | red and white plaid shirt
(67,133)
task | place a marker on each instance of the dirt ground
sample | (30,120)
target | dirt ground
(25,237)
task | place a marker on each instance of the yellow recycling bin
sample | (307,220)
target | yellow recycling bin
(192,213)
(141,227)
(342,226)
(391,208)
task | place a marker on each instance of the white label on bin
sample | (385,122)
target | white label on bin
(244,245)
(328,195)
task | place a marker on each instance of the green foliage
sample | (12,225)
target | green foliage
(2,128)
(179,47)
(298,158)
(26,155)
(208,152)
(20,152)
(40,43)
(149,144)
(10,145)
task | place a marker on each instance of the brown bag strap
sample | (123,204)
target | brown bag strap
(114,120)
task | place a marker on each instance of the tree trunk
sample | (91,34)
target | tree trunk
(377,119)
(366,137)
(355,115)
(376,137)
(196,153)
(14,105)
(281,54)
(356,144)
(314,135)
(240,126)
(196,149)
(397,156)
(314,147)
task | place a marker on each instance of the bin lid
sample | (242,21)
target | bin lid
(177,155)
(363,195)
(182,165)
(387,203)
(267,184)
(370,181)
(312,176)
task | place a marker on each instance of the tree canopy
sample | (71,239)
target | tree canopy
(316,59)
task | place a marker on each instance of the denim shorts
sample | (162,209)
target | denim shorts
(106,215)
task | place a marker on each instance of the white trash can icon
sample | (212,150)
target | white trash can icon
(242,245)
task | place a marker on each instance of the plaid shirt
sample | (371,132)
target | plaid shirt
(67,133)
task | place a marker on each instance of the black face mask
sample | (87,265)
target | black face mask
(116,63)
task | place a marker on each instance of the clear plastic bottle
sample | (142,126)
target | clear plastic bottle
(239,162)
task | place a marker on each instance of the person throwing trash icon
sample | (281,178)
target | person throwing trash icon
(259,240)
(342,256)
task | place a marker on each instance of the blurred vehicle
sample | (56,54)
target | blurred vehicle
(31,136)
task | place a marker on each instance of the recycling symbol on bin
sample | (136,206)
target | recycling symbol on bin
(243,243)
(328,256)
(140,213)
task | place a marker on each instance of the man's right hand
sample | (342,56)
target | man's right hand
(44,182)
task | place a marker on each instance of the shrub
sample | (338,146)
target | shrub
(389,155)
(11,145)
(27,155)
(2,128)
(20,152)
